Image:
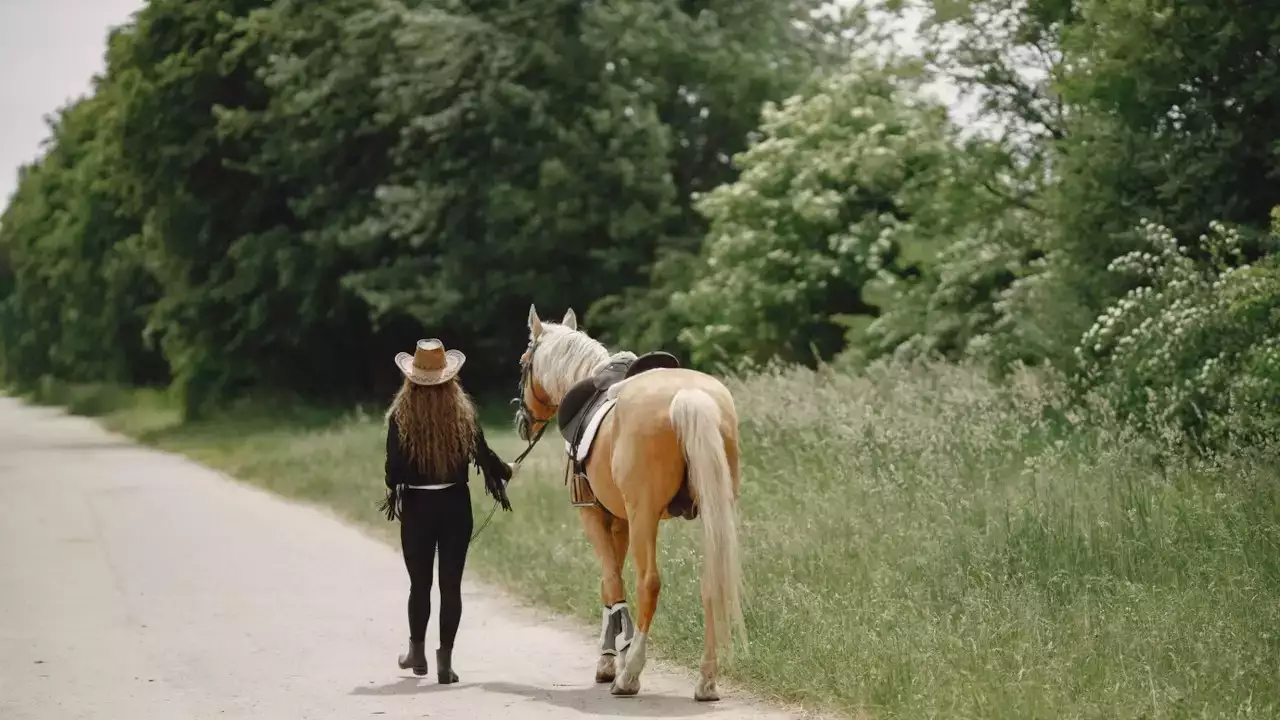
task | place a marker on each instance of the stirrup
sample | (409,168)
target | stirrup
(580,494)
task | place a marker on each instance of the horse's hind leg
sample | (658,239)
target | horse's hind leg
(706,688)
(615,627)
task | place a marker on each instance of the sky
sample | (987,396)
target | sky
(49,52)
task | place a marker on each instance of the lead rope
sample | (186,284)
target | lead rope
(515,465)
(485,524)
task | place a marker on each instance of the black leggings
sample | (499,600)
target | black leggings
(429,518)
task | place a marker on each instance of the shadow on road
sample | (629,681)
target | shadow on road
(404,686)
(592,700)
(596,699)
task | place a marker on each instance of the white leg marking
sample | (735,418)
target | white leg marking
(628,679)
(706,690)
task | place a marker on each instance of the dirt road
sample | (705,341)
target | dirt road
(137,584)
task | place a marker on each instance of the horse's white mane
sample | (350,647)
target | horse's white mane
(565,356)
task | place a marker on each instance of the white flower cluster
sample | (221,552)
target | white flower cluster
(1197,344)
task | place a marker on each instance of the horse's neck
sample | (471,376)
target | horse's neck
(566,377)
(577,375)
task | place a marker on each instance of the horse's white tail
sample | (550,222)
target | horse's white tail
(696,418)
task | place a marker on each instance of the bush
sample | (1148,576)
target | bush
(1194,349)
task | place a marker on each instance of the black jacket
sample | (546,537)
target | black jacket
(399,471)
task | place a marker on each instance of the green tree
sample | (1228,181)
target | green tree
(1175,100)
(248,301)
(322,140)
(522,173)
(841,190)
(706,68)
(76,289)
(1144,108)
(552,154)
(201,215)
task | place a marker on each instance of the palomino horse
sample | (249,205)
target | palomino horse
(666,425)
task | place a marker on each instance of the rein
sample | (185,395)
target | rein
(532,442)
(526,374)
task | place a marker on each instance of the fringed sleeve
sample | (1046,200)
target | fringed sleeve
(390,505)
(391,472)
(496,472)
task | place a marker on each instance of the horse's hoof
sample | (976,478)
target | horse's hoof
(622,688)
(706,691)
(605,671)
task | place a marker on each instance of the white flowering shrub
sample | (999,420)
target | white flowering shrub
(839,186)
(1196,346)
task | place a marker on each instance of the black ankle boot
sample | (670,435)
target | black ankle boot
(444,666)
(415,659)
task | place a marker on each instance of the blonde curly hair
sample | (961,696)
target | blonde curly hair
(437,425)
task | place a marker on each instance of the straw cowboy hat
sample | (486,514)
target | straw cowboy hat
(430,363)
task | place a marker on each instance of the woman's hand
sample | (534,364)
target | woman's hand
(391,503)
(497,487)
(497,472)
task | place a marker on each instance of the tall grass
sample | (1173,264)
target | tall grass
(918,543)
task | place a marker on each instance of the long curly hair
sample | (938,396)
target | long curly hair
(437,426)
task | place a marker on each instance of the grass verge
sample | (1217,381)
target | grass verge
(918,543)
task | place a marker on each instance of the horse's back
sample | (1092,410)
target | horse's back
(649,394)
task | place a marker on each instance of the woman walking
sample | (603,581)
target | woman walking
(432,439)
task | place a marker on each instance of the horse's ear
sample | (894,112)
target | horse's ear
(570,320)
(535,324)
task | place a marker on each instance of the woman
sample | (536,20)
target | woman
(432,438)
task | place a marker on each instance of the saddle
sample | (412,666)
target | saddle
(581,403)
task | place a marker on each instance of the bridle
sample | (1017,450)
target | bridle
(527,416)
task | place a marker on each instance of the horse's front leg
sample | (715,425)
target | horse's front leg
(643,540)
(615,625)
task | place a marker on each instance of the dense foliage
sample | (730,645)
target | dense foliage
(273,196)
(840,184)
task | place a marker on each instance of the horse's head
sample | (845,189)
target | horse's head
(537,406)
